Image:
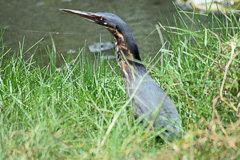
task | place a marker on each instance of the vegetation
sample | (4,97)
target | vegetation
(67,114)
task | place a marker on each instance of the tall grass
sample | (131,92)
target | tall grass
(47,114)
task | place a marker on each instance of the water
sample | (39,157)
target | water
(33,20)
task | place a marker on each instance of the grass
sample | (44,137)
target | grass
(46,114)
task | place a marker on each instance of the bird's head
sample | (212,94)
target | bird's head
(108,20)
(119,29)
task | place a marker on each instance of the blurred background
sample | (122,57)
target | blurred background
(32,20)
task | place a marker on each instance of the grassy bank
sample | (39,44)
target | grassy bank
(47,114)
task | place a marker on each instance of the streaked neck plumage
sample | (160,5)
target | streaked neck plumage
(127,53)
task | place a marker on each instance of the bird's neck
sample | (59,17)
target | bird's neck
(127,54)
(130,66)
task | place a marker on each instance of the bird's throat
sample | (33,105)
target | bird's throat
(130,68)
(127,56)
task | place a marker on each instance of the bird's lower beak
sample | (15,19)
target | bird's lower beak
(88,15)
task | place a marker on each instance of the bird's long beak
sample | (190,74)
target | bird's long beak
(88,15)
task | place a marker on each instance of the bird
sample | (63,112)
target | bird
(148,98)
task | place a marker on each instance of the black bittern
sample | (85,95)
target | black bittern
(148,96)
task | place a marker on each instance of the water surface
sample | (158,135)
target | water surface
(33,20)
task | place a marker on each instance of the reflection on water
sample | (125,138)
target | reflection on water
(41,19)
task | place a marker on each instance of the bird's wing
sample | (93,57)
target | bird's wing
(148,99)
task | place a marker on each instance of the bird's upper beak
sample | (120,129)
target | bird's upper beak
(94,17)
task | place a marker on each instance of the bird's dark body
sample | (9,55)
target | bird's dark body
(148,99)
(149,95)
